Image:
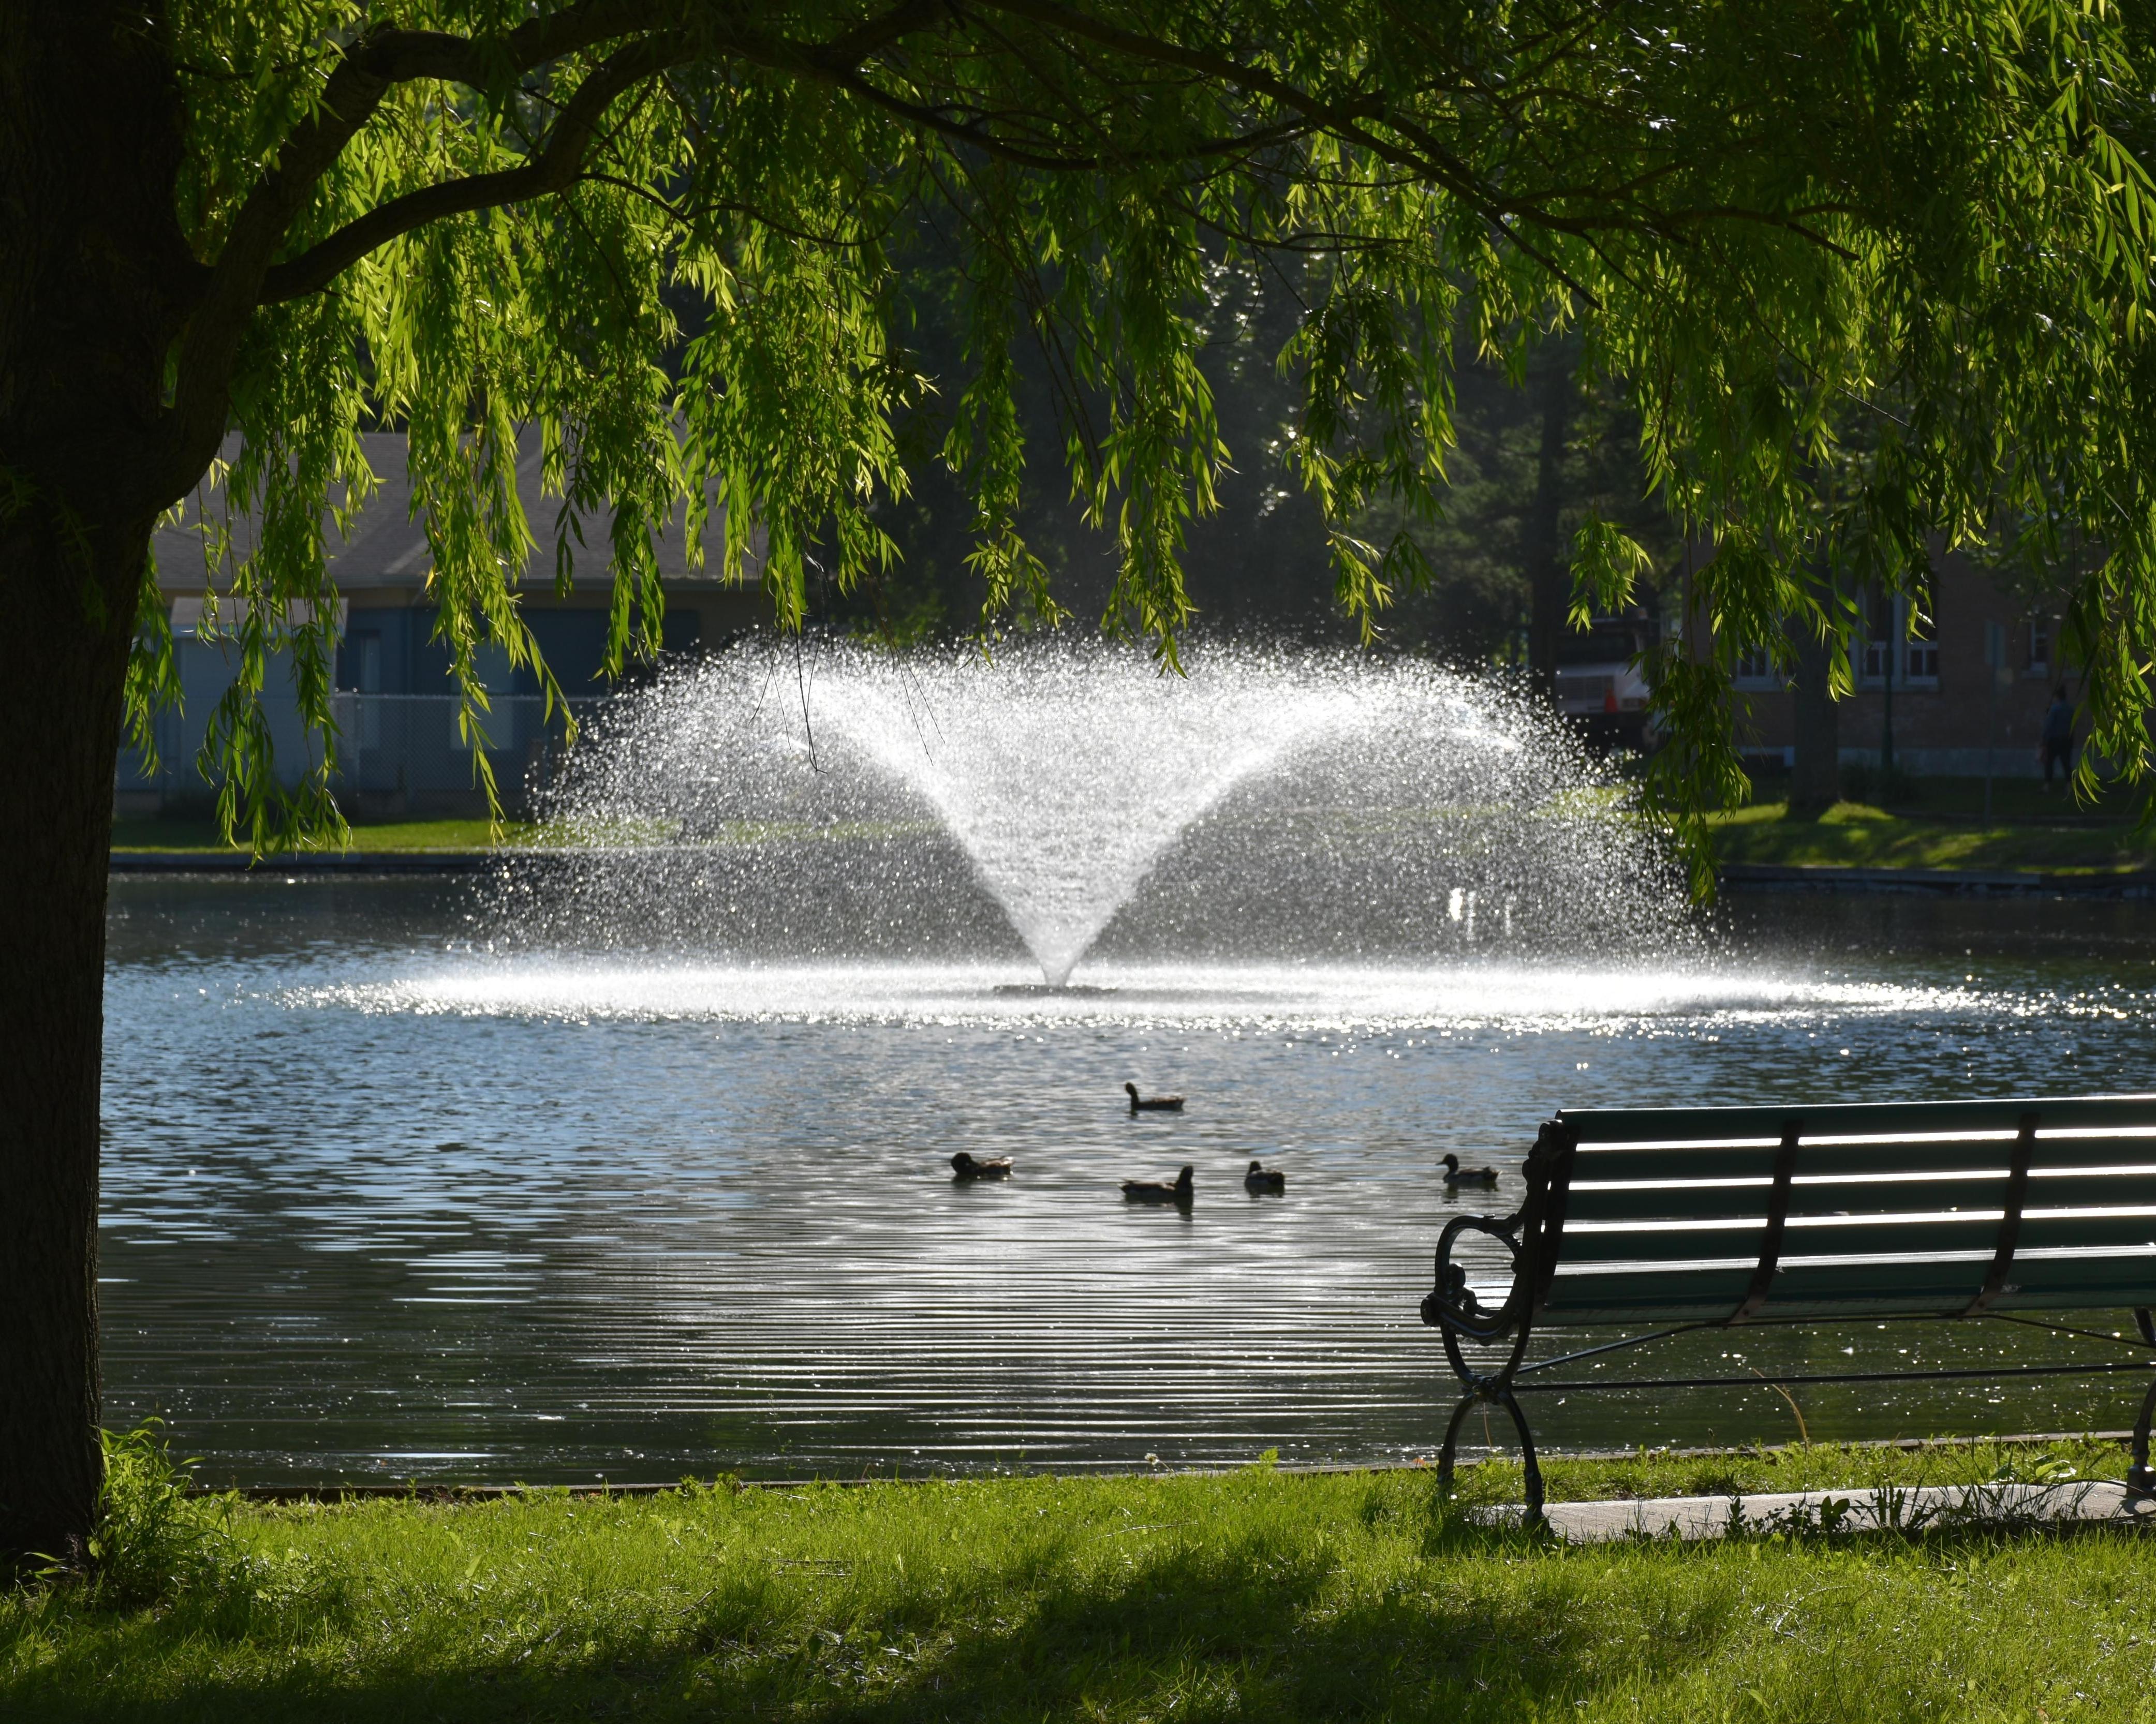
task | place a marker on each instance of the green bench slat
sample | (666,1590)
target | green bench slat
(2049,1188)
(1818,1237)
(1872,1235)
(1903,1289)
(1584,1299)
(1607,1166)
(2054,1180)
(1690,1124)
(1659,1315)
(1594,1168)
(2041,1232)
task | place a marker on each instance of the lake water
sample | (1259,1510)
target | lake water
(379,1205)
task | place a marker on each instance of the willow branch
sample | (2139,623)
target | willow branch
(555,168)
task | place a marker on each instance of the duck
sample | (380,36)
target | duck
(964,1167)
(1153,1104)
(1455,1174)
(1260,1178)
(1155,1191)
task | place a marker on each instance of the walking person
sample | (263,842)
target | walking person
(2058,748)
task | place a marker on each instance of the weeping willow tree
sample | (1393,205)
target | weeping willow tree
(1903,243)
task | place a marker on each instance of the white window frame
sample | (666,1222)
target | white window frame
(2044,630)
(1915,659)
(1755,670)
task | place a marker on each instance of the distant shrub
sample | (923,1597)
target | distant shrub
(1881,788)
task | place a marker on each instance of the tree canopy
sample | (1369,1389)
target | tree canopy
(1871,275)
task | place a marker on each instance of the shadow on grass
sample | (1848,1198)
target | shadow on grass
(1473,1623)
(1252,1629)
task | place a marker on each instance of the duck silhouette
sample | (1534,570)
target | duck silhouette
(1153,1104)
(1260,1178)
(964,1167)
(1156,1191)
(1455,1174)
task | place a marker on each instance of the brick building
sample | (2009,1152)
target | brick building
(1950,712)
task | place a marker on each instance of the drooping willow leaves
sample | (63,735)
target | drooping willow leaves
(1873,275)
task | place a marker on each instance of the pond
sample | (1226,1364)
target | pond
(380,1204)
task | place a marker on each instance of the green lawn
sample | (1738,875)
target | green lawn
(1935,835)
(1255,1595)
(176,833)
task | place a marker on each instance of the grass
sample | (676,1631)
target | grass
(1944,828)
(180,833)
(1253,1595)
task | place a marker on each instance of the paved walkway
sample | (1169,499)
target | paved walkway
(1911,1509)
(1979,882)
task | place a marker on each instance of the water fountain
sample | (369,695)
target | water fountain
(1268,805)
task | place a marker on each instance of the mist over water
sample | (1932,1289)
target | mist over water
(1082,805)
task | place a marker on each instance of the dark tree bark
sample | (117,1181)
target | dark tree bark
(1541,547)
(1815,773)
(92,267)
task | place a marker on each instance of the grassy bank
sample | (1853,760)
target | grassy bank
(1937,834)
(1252,1595)
(192,834)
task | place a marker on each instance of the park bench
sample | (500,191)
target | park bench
(1669,1220)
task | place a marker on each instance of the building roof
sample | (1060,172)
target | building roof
(388,547)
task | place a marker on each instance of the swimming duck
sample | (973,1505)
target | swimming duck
(1155,1191)
(964,1167)
(1455,1174)
(1260,1178)
(1153,1104)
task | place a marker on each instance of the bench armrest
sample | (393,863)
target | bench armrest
(1451,1303)
(1530,1234)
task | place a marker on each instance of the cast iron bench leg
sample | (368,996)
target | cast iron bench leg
(1445,1455)
(1504,1397)
(1532,1466)
(2140,1481)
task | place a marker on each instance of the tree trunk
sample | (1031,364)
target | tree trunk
(59,710)
(1541,544)
(1815,774)
(93,272)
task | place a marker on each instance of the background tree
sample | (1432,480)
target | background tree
(286,218)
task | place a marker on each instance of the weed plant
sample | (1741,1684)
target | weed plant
(1252,1595)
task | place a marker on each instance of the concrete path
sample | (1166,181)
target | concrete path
(1911,1509)
(1978,882)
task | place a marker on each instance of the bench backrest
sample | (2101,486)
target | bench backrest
(1900,1209)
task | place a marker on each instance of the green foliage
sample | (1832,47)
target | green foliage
(1255,1595)
(156,1540)
(1872,276)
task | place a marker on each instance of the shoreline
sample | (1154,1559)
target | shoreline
(422,1491)
(1732,876)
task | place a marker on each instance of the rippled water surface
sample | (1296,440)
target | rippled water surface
(379,1205)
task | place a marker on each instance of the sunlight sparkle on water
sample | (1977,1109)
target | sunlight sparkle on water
(1497,993)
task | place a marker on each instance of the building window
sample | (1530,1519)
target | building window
(1921,652)
(2040,646)
(1878,611)
(1755,668)
(1896,637)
